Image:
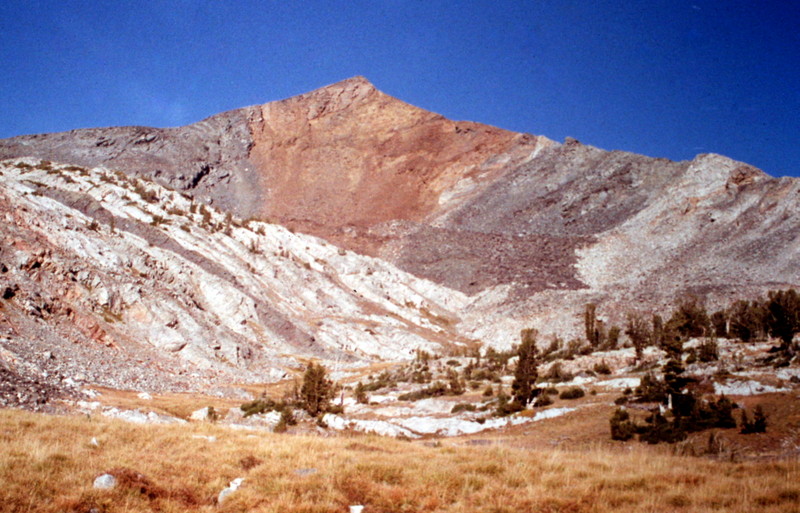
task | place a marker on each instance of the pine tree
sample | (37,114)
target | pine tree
(317,390)
(590,321)
(759,420)
(638,331)
(526,372)
(361,394)
(690,319)
(783,319)
(759,423)
(747,320)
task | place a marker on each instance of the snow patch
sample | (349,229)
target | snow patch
(413,427)
(621,383)
(749,387)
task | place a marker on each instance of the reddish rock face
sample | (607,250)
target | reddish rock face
(348,155)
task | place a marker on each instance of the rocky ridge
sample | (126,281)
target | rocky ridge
(117,281)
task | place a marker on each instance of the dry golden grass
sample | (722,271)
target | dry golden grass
(173,404)
(48,464)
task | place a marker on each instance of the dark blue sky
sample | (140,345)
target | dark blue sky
(663,78)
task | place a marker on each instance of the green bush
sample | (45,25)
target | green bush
(602,368)
(622,428)
(659,429)
(436,389)
(360,393)
(287,419)
(758,424)
(572,393)
(708,351)
(463,407)
(557,374)
(259,406)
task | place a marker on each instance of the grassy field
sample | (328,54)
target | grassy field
(48,464)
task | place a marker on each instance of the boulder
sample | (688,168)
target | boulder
(232,487)
(201,414)
(105,482)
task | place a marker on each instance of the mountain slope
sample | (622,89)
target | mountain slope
(523,230)
(121,282)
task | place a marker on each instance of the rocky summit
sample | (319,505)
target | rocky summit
(346,225)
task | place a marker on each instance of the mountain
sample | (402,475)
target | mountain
(347,225)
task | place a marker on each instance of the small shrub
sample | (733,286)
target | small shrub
(602,368)
(361,394)
(572,393)
(146,194)
(659,430)
(259,406)
(212,416)
(437,389)
(338,409)
(708,351)
(504,407)
(287,419)
(484,375)
(543,400)
(622,428)
(557,374)
(758,424)
(250,462)
(463,407)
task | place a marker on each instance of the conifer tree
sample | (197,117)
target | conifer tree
(638,331)
(526,372)
(316,391)
(783,319)
(589,321)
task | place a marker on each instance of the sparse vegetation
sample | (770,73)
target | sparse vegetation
(572,393)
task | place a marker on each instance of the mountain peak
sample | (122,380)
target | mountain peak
(334,97)
(355,81)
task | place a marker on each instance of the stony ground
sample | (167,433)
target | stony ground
(470,418)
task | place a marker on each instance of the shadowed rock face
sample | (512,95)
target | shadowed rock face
(500,216)
(208,159)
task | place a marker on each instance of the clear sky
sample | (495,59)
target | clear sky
(667,78)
